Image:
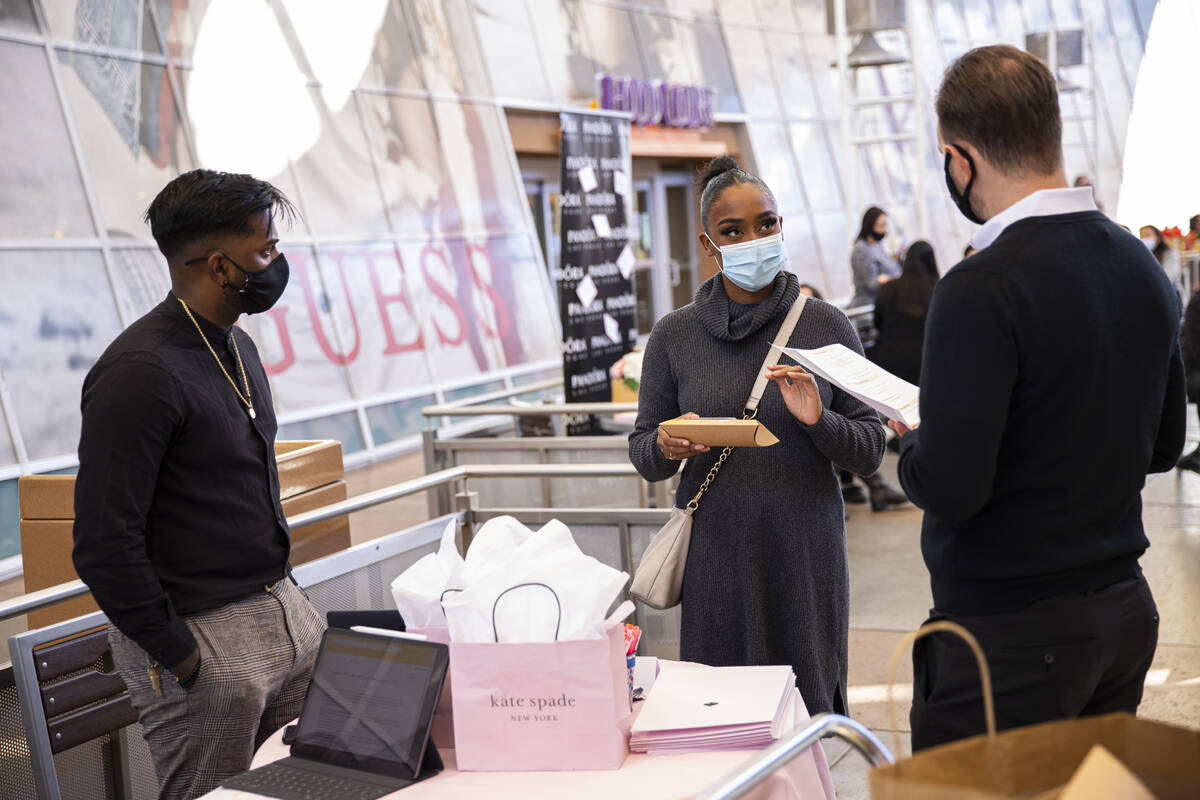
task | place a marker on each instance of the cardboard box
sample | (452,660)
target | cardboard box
(719,432)
(316,541)
(47,496)
(621,393)
(304,466)
(46,554)
(310,476)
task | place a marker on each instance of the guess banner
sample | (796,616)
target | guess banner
(595,282)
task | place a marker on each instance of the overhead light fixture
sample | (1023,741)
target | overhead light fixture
(869,53)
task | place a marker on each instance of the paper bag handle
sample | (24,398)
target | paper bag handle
(557,602)
(985,675)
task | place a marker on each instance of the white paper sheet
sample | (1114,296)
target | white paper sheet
(586,291)
(587,178)
(626,262)
(891,396)
(612,328)
(621,182)
(602,226)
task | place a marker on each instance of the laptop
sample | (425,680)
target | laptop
(364,728)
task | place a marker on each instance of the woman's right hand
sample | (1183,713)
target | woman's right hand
(679,449)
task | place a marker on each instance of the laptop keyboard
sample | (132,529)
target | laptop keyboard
(290,783)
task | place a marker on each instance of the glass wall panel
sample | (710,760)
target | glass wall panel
(711,65)
(56,317)
(754,80)
(338,184)
(481,166)
(379,328)
(510,50)
(398,420)
(447,57)
(17,15)
(818,170)
(566,51)
(132,139)
(613,40)
(416,186)
(795,83)
(142,279)
(508,275)
(664,53)
(775,164)
(301,344)
(37,153)
(342,427)
(10,526)
(117,24)
(394,64)
(8,453)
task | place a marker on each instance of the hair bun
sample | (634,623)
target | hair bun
(718,166)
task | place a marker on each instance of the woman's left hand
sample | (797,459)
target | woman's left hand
(799,391)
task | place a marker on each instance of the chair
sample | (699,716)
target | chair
(70,695)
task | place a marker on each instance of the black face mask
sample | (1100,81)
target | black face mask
(962,199)
(879,237)
(262,289)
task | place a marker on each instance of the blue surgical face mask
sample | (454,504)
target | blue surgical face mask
(754,264)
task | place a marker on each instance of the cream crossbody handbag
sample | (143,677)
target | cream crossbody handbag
(658,580)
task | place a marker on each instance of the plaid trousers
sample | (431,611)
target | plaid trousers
(256,656)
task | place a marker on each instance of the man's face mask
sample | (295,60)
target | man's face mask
(754,264)
(261,290)
(962,199)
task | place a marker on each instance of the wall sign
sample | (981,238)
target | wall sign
(657,103)
(595,283)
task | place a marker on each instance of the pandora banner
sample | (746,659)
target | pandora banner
(595,281)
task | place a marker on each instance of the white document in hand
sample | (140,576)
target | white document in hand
(891,396)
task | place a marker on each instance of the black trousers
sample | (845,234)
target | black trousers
(1060,658)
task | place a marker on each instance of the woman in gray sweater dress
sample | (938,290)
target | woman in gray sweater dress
(766,580)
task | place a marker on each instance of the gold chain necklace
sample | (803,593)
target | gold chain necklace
(244,398)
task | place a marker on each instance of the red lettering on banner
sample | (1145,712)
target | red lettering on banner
(384,300)
(444,295)
(314,314)
(498,305)
(278,315)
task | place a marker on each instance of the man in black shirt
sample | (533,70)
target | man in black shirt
(1051,385)
(179,532)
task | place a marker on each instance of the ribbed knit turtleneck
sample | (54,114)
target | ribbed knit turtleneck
(733,322)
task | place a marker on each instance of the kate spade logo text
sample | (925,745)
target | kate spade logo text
(534,704)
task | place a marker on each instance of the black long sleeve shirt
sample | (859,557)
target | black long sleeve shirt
(177,499)
(1051,384)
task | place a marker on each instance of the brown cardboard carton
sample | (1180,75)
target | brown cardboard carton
(47,496)
(720,432)
(304,466)
(46,554)
(315,541)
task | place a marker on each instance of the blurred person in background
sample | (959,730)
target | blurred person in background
(1193,234)
(1190,344)
(808,290)
(870,264)
(1167,258)
(900,311)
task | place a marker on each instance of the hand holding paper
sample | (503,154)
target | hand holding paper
(894,398)
(799,391)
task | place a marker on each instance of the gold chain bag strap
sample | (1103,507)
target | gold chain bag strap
(658,580)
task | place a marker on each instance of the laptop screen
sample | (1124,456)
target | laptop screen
(370,702)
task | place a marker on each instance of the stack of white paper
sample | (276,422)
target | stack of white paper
(717,708)
(891,396)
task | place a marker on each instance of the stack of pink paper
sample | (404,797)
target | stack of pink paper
(697,708)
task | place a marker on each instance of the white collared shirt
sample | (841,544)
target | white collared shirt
(1042,203)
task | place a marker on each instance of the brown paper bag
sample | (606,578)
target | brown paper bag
(1038,761)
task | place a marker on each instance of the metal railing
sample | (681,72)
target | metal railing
(447,477)
(760,767)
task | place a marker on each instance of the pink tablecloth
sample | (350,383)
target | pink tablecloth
(667,776)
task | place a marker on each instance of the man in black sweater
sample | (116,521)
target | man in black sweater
(179,531)
(1051,385)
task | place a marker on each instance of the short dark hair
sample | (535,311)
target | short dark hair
(870,217)
(204,203)
(1004,102)
(1192,223)
(718,175)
